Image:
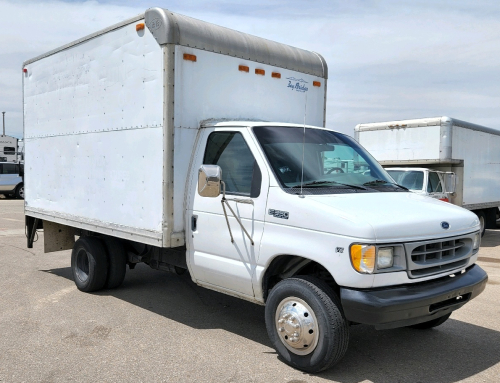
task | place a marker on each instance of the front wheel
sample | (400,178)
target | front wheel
(305,323)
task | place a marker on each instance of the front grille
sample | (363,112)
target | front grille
(438,256)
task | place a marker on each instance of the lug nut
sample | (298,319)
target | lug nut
(281,321)
(281,329)
(297,325)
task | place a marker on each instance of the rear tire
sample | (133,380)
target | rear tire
(89,264)
(305,323)
(117,262)
(19,193)
(432,323)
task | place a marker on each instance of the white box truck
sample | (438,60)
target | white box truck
(153,141)
(442,157)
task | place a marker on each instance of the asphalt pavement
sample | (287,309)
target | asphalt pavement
(160,327)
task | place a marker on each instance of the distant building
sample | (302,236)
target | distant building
(8,149)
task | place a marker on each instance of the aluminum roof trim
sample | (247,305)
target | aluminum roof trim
(419,122)
(173,28)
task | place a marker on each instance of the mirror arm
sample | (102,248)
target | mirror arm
(224,201)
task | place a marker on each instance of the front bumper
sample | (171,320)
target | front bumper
(400,306)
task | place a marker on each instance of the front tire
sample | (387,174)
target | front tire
(305,323)
(89,264)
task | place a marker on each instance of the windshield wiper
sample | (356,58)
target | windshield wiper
(318,183)
(379,182)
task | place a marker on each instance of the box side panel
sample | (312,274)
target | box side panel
(404,144)
(481,155)
(213,87)
(93,133)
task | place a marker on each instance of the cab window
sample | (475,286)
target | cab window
(434,185)
(240,171)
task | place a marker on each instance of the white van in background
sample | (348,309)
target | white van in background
(11,180)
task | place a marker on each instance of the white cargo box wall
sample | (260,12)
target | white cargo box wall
(471,151)
(110,120)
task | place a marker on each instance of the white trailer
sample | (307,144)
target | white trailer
(8,149)
(133,133)
(438,146)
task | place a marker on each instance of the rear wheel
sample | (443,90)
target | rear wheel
(432,323)
(89,264)
(19,193)
(117,262)
(305,323)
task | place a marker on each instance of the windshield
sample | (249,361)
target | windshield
(330,160)
(411,179)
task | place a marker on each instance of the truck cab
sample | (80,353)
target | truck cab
(429,182)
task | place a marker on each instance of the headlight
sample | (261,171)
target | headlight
(477,241)
(364,258)
(385,257)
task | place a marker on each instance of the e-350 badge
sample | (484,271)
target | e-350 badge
(278,213)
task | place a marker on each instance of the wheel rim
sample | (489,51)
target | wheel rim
(481,223)
(21,191)
(297,326)
(82,265)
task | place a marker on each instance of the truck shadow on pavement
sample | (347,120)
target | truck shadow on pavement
(449,353)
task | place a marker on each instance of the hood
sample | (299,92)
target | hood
(383,217)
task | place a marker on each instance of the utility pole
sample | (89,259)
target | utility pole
(3,117)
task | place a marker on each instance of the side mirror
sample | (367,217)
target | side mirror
(209,179)
(449,182)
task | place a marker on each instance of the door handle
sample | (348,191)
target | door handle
(194,221)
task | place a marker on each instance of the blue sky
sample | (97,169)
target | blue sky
(387,59)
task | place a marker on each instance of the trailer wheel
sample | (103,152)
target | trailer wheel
(305,323)
(89,264)
(117,262)
(482,220)
(432,323)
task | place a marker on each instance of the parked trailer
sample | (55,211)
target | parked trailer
(442,145)
(152,142)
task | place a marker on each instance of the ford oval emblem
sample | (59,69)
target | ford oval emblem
(445,225)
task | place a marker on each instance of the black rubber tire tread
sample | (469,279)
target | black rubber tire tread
(432,323)
(334,328)
(98,264)
(117,262)
(16,193)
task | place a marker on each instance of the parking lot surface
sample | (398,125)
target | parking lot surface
(160,327)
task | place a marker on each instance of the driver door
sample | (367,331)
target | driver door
(214,259)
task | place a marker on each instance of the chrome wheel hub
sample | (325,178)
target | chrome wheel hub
(297,326)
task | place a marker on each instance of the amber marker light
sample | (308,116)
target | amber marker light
(139,27)
(316,83)
(262,72)
(363,258)
(243,68)
(276,75)
(189,57)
